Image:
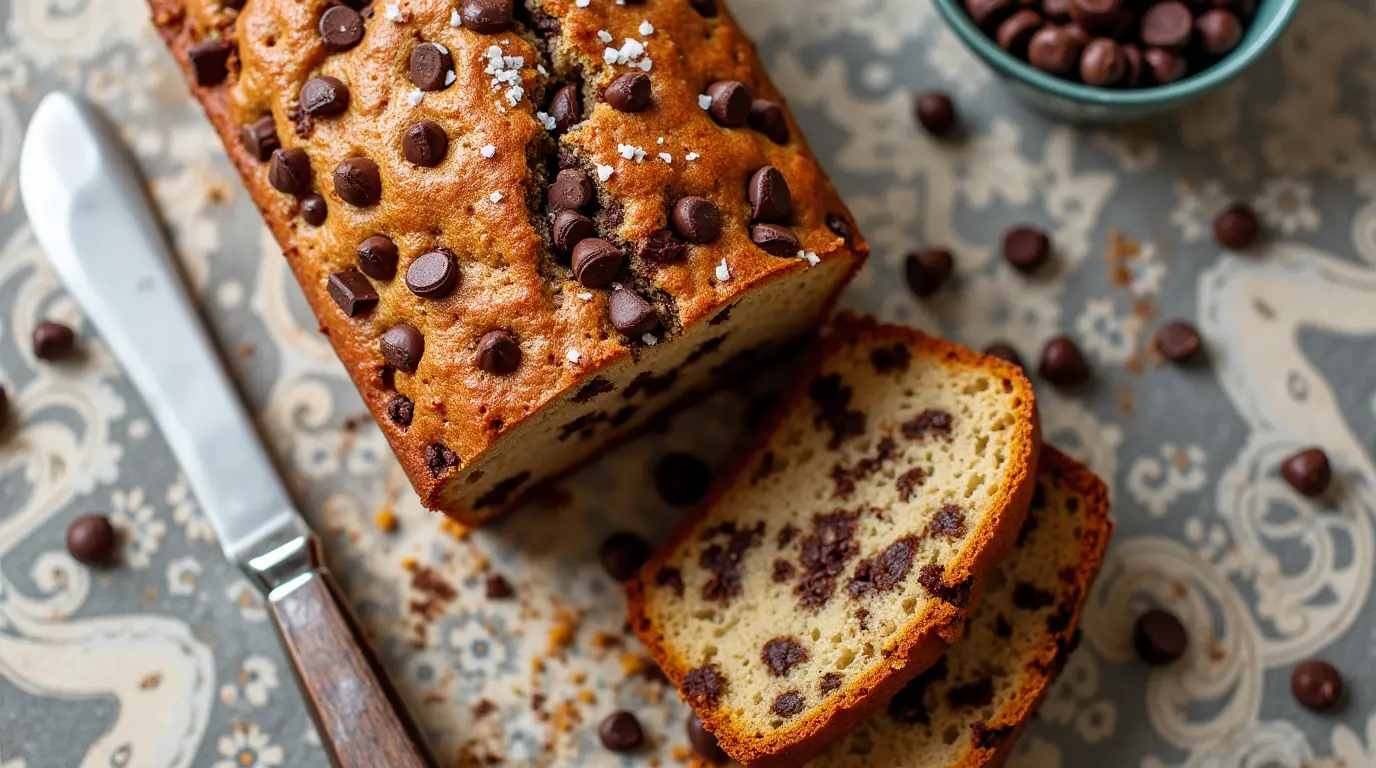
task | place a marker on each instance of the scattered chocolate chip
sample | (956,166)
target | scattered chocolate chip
(569,229)
(433,275)
(630,314)
(1159,637)
(782,654)
(91,539)
(787,704)
(377,257)
(696,219)
(352,292)
(341,28)
(671,578)
(289,171)
(1103,62)
(682,479)
(730,103)
(949,521)
(1219,31)
(1177,340)
(498,352)
(909,481)
(487,17)
(424,143)
(702,740)
(1308,471)
(1054,50)
(1236,227)
(1062,363)
(660,247)
(313,210)
(209,61)
(496,587)
(564,108)
(703,686)
(830,681)
(1167,25)
(931,421)
(1026,248)
(572,190)
(620,732)
(401,410)
(430,66)
(259,138)
(891,358)
(1317,685)
(630,92)
(823,554)
(596,262)
(52,341)
(1003,351)
(402,346)
(1014,33)
(767,117)
(440,459)
(988,13)
(623,553)
(1097,15)
(1136,65)
(324,96)
(841,227)
(1166,66)
(928,270)
(936,113)
(886,570)
(357,182)
(775,240)
(769,197)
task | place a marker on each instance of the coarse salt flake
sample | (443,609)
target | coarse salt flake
(450,77)
(585,296)
(604,36)
(809,257)
(609,55)
(645,64)
(691,156)
(541,69)
(646,28)
(414,97)
(704,101)
(723,271)
(441,47)
(495,197)
(455,20)
(649,339)
(666,157)
(631,152)
(393,12)
(659,140)
(546,120)
(604,172)
(488,151)
(574,355)
(583,3)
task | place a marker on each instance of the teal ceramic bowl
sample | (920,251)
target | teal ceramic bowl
(1086,103)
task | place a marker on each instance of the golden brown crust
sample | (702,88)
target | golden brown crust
(924,641)
(508,280)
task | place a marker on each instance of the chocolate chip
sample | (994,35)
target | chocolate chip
(696,220)
(352,292)
(927,270)
(1096,15)
(682,479)
(1308,471)
(782,654)
(1062,363)
(563,107)
(1317,685)
(1103,62)
(1177,340)
(1159,637)
(629,93)
(313,210)
(401,410)
(430,66)
(1167,25)
(769,197)
(1015,31)
(936,113)
(402,346)
(377,257)
(341,28)
(424,143)
(841,227)
(1236,227)
(358,182)
(596,262)
(1004,351)
(630,314)
(1054,50)
(705,8)
(620,732)
(775,240)
(570,228)
(1165,66)
(487,17)
(324,96)
(787,704)
(702,686)
(702,740)
(498,352)
(988,13)
(4,409)
(1219,31)
(889,568)
(1136,65)
(767,117)
(209,61)
(496,587)
(1055,10)
(660,247)
(623,553)
(730,103)
(91,539)
(440,459)
(1026,248)
(259,138)
(572,190)
(289,171)
(52,341)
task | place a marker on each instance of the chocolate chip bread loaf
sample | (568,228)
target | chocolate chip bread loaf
(526,227)
(968,708)
(837,560)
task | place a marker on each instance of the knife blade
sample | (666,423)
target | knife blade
(89,211)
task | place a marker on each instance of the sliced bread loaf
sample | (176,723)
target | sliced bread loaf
(968,708)
(836,561)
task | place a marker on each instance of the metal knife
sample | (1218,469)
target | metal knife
(90,213)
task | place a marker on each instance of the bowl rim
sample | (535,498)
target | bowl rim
(1009,65)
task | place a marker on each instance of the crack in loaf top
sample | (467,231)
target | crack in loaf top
(415,141)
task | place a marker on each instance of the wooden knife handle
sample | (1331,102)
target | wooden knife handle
(362,721)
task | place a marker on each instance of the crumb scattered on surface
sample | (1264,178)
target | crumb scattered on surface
(244,350)
(456,530)
(385,520)
(562,632)
(151,681)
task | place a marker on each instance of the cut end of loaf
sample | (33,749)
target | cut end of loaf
(840,556)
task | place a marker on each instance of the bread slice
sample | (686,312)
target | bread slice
(836,561)
(969,708)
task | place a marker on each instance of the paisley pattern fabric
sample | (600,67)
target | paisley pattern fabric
(168,659)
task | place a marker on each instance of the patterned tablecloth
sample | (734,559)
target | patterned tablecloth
(167,660)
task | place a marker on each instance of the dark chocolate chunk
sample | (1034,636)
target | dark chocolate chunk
(1317,685)
(1096,15)
(1177,340)
(782,654)
(1307,471)
(1219,31)
(620,732)
(787,704)
(928,270)
(702,740)
(682,479)
(596,262)
(703,686)
(424,143)
(630,92)
(91,539)
(440,459)
(731,102)
(823,555)
(660,247)
(630,314)
(498,352)
(841,227)
(885,570)
(289,171)
(1004,351)
(1159,637)
(570,228)
(401,410)
(936,113)
(572,190)
(1164,66)
(829,682)
(949,521)
(891,358)
(487,17)
(988,13)
(52,341)
(696,219)
(1054,49)
(430,66)
(1062,363)
(377,257)
(1026,248)
(1030,597)
(775,240)
(1016,31)
(623,553)
(209,61)
(931,421)
(724,561)
(496,587)
(313,210)
(1236,227)
(1167,25)
(433,275)
(671,578)
(1103,62)
(324,96)
(259,138)
(769,197)
(358,182)
(908,481)
(706,8)
(402,346)
(564,108)
(341,28)
(352,292)
(978,693)
(767,117)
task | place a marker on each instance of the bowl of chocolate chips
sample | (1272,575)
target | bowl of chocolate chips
(1116,60)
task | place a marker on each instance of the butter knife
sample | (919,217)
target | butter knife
(91,214)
